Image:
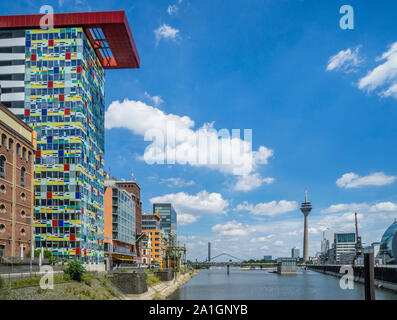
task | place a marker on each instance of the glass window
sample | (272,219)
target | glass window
(23,176)
(2,166)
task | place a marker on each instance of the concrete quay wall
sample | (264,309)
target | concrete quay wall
(385,276)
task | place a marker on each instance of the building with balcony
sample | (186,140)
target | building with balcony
(120,226)
(17,148)
(54,79)
(151,227)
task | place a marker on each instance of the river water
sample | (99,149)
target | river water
(215,284)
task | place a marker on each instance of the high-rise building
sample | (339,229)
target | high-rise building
(168,222)
(328,239)
(54,79)
(119,219)
(295,253)
(306,207)
(17,147)
(268,258)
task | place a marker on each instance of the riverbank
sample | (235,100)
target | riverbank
(93,287)
(163,289)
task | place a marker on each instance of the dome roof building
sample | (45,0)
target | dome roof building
(386,245)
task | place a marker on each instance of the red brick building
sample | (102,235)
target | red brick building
(17,148)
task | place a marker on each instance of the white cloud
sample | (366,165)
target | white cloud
(272,208)
(156,99)
(384,206)
(166,32)
(178,182)
(262,239)
(345,60)
(352,180)
(172,9)
(184,219)
(345,207)
(202,147)
(201,203)
(383,75)
(233,228)
(250,182)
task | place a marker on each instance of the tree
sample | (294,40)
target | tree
(75,270)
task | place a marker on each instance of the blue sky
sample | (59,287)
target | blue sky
(320,102)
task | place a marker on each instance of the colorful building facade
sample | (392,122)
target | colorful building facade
(62,73)
(17,147)
(64,103)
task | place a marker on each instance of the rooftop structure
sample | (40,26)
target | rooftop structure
(108,32)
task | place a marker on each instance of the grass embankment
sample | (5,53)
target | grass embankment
(151,278)
(91,287)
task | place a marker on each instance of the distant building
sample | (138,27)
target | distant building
(119,209)
(268,258)
(295,253)
(343,249)
(168,221)
(328,239)
(386,245)
(17,148)
(286,265)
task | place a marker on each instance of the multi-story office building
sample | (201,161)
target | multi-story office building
(268,258)
(343,249)
(17,147)
(135,191)
(54,79)
(168,222)
(119,223)
(295,253)
(151,227)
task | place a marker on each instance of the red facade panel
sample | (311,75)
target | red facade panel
(114,26)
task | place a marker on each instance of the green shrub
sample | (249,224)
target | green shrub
(2,282)
(75,270)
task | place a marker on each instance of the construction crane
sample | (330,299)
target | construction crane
(359,246)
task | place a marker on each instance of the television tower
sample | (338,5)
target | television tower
(306,207)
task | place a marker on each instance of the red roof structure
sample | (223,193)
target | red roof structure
(108,32)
